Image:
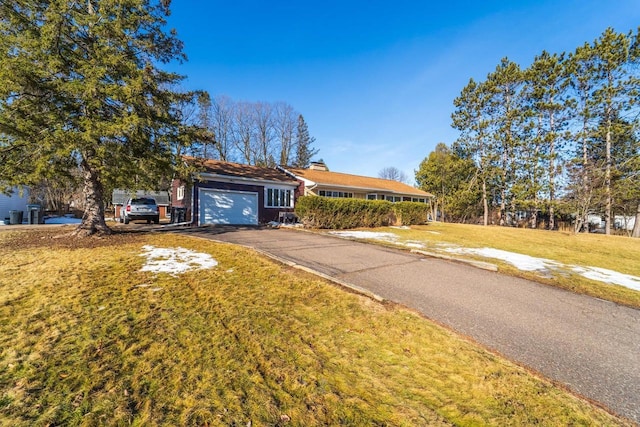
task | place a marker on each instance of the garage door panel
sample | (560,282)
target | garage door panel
(228,207)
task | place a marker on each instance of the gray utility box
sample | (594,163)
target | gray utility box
(15,217)
(35,214)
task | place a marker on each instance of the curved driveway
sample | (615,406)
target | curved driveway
(589,345)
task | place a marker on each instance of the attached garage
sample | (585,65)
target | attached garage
(227,207)
(232,193)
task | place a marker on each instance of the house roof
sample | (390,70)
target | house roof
(357,182)
(218,167)
(120,197)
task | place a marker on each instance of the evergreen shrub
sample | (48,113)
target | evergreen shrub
(338,214)
(411,213)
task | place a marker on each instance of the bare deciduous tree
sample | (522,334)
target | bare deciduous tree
(284,125)
(222,119)
(393,174)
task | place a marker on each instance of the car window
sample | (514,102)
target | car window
(143,201)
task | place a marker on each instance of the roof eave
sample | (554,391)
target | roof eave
(232,178)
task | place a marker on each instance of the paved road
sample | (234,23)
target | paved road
(591,346)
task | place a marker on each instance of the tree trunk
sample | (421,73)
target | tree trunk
(636,226)
(607,182)
(93,218)
(485,205)
(552,173)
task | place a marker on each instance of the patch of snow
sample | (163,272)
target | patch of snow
(175,260)
(376,235)
(608,276)
(520,261)
(415,245)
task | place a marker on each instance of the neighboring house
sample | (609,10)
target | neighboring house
(621,222)
(14,202)
(120,197)
(232,193)
(319,181)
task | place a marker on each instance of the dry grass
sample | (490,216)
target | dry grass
(248,341)
(615,253)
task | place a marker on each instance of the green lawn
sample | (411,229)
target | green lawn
(86,338)
(617,253)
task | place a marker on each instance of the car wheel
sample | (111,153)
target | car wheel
(156,220)
(126,220)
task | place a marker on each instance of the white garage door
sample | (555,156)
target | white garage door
(228,207)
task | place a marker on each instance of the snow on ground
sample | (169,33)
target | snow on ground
(608,276)
(522,262)
(175,260)
(375,235)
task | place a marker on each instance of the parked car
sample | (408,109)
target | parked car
(142,208)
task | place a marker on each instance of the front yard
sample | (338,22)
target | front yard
(159,329)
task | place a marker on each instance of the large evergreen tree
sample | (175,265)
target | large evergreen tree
(547,81)
(503,104)
(471,118)
(81,86)
(616,92)
(304,142)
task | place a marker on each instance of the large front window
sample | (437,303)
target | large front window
(278,198)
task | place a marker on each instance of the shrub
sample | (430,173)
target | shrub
(411,213)
(323,212)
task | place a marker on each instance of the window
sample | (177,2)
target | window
(180,193)
(336,194)
(372,196)
(278,198)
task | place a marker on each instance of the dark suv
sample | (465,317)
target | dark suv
(140,208)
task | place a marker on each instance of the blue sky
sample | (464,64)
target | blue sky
(375,80)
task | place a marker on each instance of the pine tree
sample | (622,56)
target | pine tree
(615,93)
(304,142)
(504,86)
(80,85)
(547,82)
(581,73)
(471,118)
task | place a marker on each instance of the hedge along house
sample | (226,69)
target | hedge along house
(233,193)
(319,181)
(120,197)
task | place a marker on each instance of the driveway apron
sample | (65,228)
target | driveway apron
(589,345)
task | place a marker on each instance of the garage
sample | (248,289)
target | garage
(228,207)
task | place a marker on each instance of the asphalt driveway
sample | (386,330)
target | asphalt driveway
(589,345)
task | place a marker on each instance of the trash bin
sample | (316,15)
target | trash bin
(178,215)
(15,217)
(34,214)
